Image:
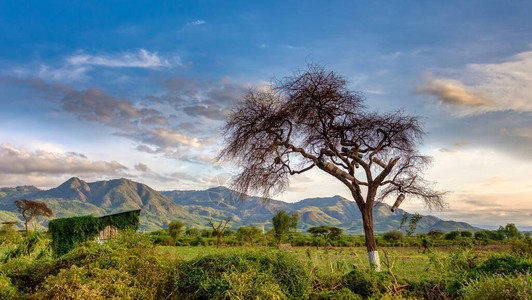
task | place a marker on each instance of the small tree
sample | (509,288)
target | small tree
(412,224)
(511,232)
(294,219)
(393,236)
(218,230)
(32,209)
(329,233)
(312,120)
(281,224)
(175,229)
(248,234)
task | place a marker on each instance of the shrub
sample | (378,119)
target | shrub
(366,282)
(343,294)
(504,263)
(86,283)
(522,247)
(498,287)
(206,277)
(453,235)
(393,235)
(7,289)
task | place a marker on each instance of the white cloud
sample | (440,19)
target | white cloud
(196,23)
(140,59)
(491,87)
(21,161)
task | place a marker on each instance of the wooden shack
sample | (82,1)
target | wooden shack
(111,231)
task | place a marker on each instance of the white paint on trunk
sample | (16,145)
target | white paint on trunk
(374,260)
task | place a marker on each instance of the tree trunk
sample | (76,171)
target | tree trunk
(371,245)
(27,232)
(218,240)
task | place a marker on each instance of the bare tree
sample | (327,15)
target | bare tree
(219,230)
(311,120)
(31,209)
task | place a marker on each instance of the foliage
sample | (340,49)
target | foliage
(248,234)
(393,235)
(281,223)
(505,263)
(31,209)
(497,286)
(214,276)
(453,235)
(342,294)
(329,233)
(67,233)
(294,219)
(175,229)
(367,282)
(466,234)
(522,247)
(412,224)
(7,289)
(511,232)
(91,270)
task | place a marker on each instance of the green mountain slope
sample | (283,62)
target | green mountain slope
(76,197)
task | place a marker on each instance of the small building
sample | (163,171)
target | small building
(111,230)
(67,233)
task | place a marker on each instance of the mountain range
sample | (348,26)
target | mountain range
(76,197)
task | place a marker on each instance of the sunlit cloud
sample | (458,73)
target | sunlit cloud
(452,92)
(21,161)
(491,87)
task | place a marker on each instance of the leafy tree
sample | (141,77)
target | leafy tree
(312,120)
(466,234)
(393,235)
(207,233)
(294,219)
(482,235)
(218,230)
(281,224)
(175,229)
(511,232)
(248,234)
(412,224)
(327,232)
(453,235)
(436,234)
(32,209)
(335,233)
(192,232)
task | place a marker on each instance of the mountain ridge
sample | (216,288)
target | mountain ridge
(197,207)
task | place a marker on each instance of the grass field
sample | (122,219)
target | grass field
(133,268)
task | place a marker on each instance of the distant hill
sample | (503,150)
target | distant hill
(76,197)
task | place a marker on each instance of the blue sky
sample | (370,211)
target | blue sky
(106,89)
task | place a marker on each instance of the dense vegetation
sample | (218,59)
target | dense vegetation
(139,266)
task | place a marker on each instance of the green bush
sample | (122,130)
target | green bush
(343,294)
(498,287)
(504,263)
(366,282)
(7,289)
(206,277)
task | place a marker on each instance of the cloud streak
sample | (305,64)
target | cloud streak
(140,59)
